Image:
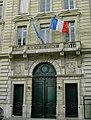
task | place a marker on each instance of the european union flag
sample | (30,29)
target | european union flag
(38,35)
(54,22)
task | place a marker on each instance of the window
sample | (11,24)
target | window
(23,6)
(1,7)
(45,33)
(87,107)
(21,35)
(69,4)
(70,36)
(44,5)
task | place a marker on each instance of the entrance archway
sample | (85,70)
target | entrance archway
(44,91)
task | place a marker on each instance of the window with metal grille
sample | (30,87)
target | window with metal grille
(87,107)
(45,32)
(69,4)
(23,6)
(44,5)
(21,35)
(70,36)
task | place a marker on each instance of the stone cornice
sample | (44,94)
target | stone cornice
(16,77)
(70,75)
(26,17)
(65,75)
(44,15)
(73,12)
(21,18)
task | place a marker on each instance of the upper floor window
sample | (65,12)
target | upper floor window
(23,6)
(21,35)
(1,8)
(69,4)
(44,5)
(71,35)
(45,33)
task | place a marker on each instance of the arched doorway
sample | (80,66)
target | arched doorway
(44,91)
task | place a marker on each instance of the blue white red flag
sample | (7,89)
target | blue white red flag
(59,25)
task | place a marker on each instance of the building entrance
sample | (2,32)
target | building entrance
(44,91)
(71,100)
(18,99)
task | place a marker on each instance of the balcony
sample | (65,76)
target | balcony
(46,48)
(72,46)
(37,48)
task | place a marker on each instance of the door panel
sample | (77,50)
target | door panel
(18,99)
(71,99)
(50,103)
(38,96)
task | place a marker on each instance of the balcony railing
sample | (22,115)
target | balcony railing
(38,48)
(71,46)
(44,48)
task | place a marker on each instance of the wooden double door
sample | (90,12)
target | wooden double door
(44,92)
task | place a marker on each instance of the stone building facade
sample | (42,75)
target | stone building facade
(50,80)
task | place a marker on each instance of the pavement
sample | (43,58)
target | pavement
(20,118)
(15,118)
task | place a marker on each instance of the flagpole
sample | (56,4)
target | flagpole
(34,35)
(38,35)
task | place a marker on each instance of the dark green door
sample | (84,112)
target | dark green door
(18,99)
(50,97)
(44,92)
(71,100)
(37,99)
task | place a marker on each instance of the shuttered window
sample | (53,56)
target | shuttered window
(69,4)
(44,5)
(45,33)
(23,6)
(70,36)
(1,7)
(21,35)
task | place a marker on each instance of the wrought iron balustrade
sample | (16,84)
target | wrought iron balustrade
(38,48)
(43,46)
(49,47)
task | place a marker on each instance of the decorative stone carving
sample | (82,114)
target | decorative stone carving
(45,69)
(70,68)
(19,68)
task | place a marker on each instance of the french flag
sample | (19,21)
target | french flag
(59,25)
